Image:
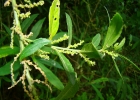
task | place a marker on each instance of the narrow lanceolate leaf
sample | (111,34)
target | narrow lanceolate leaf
(119,85)
(69,25)
(117,68)
(54,14)
(129,61)
(68,67)
(33,47)
(36,28)
(5,51)
(50,62)
(99,94)
(27,22)
(6,69)
(99,80)
(52,78)
(68,92)
(114,31)
(7,29)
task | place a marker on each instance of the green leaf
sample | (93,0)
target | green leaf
(91,52)
(49,49)
(119,86)
(59,35)
(6,69)
(6,50)
(50,62)
(129,61)
(99,94)
(68,92)
(69,25)
(2,39)
(117,68)
(96,40)
(118,46)
(52,78)
(5,78)
(36,28)
(136,44)
(84,96)
(33,47)
(114,31)
(7,29)
(27,22)
(68,67)
(54,14)
(99,80)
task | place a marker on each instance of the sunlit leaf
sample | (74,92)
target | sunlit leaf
(6,69)
(54,14)
(118,46)
(33,47)
(52,78)
(114,31)
(96,40)
(68,67)
(69,25)
(69,91)
(6,50)
(36,28)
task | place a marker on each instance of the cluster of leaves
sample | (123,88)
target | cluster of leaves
(111,78)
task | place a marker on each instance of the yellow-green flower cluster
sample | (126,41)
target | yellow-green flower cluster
(76,45)
(87,60)
(110,53)
(26,75)
(73,52)
(28,1)
(31,5)
(12,40)
(7,3)
(24,15)
(24,38)
(70,51)
(43,54)
(65,37)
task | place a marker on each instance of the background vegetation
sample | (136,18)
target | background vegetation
(89,17)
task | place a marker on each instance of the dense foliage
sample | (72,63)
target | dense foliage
(86,50)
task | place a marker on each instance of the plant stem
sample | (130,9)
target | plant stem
(30,81)
(17,25)
(61,48)
(15,14)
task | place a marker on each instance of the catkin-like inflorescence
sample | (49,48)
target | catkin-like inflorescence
(113,54)
(65,37)
(7,3)
(76,44)
(31,5)
(87,60)
(43,54)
